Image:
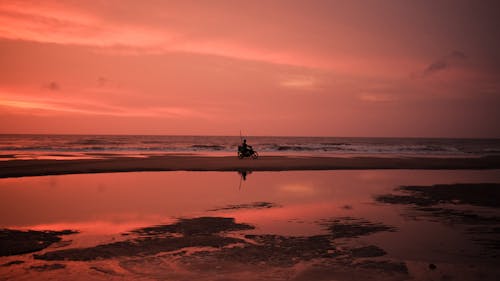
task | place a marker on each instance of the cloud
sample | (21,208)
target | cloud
(376,97)
(150,32)
(102,81)
(300,82)
(85,107)
(436,66)
(52,86)
(52,22)
(457,55)
(444,63)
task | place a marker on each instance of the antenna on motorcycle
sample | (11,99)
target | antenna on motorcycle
(241,138)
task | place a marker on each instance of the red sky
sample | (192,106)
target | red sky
(323,68)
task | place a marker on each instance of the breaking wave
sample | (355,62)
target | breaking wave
(270,145)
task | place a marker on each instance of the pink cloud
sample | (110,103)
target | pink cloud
(60,24)
(53,22)
(51,106)
(375,97)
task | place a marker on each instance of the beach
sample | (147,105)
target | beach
(184,217)
(184,208)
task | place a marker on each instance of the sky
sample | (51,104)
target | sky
(427,68)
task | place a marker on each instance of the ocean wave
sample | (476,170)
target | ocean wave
(427,148)
(312,148)
(208,147)
(14,148)
(287,145)
(335,144)
(94,142)
(491,150)
(153,142)
(293,148)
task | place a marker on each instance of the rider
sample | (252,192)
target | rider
(245,147)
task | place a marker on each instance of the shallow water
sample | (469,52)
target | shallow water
(102,207)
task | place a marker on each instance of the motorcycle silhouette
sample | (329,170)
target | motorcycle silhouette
(249,152)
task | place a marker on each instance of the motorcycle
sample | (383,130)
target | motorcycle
(249,152)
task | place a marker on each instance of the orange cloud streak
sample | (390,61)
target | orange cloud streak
(52,106)
(49,22)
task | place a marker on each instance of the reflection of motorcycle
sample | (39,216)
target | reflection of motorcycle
(249,152)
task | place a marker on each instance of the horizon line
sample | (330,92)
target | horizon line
(274,136)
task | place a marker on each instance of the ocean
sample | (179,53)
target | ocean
(90,146)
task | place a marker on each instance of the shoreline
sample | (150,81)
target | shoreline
(24,168)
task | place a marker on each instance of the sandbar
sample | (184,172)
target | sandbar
(21,168)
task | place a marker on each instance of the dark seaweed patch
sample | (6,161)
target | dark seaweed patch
(16,242)
(367,251)
(195,226)
(12,263)
(196,232)
(386,266)
(351,227)
(441,203)
(254,205)
(48,267)
(272,250)
(477,194)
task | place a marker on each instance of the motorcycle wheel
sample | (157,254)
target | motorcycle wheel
(255,155)
(240,155)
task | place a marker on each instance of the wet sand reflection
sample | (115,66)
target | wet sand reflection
(280,225)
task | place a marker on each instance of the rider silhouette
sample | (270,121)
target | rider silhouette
(245,147)
(245,150)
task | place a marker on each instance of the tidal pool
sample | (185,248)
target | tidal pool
(300,225)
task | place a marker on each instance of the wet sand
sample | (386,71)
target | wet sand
(21,168)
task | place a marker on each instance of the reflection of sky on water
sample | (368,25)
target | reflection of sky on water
(155,197)
(102,206)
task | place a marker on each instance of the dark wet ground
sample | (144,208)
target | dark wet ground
(198,244)
(213,232)
(48,267)
(477,194)
(254,205)
(16,242)
(451,204)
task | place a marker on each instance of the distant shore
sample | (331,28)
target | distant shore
(22,168)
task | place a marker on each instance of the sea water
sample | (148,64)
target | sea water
(64,146)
